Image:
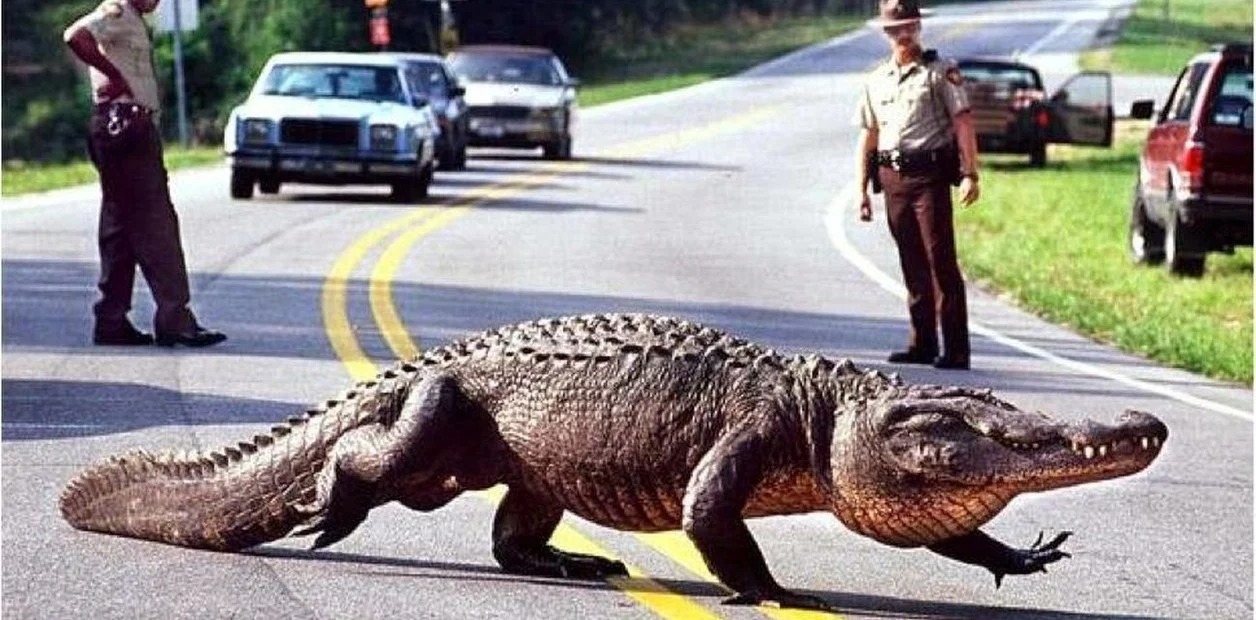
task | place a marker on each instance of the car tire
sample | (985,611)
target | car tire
(1038,154)
(413,190)
(268,186)
(241,185)
(1181,254)
(559,149)
(1146,238)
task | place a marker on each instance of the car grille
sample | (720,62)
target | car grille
(499,111)
(323,133)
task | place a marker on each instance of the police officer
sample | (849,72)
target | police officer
(916,140)
(138,225)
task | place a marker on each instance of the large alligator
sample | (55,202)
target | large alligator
(634,422)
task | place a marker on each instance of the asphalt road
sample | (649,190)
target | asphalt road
(728,203)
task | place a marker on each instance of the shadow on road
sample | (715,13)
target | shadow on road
(46,310)
(40,409)
(842,602)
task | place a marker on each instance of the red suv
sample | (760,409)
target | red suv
(1194,191)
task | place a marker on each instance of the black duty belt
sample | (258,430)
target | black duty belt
(913,160)
(123,108)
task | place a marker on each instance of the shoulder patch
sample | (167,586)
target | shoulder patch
(954,76)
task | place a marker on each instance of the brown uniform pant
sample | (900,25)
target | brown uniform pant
(919,211)
(138,226)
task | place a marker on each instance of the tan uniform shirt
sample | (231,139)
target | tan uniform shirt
(120,33)
(911,106)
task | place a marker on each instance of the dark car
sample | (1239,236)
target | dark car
(1194,190)
(1012,114)
(517,97)
(430,78)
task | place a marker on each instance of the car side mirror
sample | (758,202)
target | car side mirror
(1143,109)
(573,82)
(420,101)
(457,91)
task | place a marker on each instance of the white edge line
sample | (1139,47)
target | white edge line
(834,219)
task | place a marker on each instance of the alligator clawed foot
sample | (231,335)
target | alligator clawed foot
(1034,559)
(337,513)
(581,566)
(778,598)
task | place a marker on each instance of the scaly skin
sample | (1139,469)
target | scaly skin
(637,423)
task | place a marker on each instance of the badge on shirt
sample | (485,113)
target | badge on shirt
(954,76)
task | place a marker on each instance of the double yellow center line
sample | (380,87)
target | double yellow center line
(406,231)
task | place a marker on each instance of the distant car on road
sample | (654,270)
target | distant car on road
(332,118)
(517,97)
(1194,189)
(1012,114)
(430,77)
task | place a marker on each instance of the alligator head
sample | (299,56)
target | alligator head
(926,463)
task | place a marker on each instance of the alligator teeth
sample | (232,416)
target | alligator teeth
(1103,450)
(1155,441)
(1037,445)
(1089,451)
(1146,442)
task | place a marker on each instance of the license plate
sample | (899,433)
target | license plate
(490,131)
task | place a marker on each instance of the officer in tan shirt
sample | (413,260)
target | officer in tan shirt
(138,224)
(916,140)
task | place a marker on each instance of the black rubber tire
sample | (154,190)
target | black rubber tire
(413,190)
(268,186)
(1146,238)
(241,185)
(1038,155)
(1181,255)
(559,149)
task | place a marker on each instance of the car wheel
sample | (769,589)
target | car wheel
(448,153)
(1038,154)
(1180,253)
(559,149)
(415,189)
(241,185)
(1146,239)
(268,186)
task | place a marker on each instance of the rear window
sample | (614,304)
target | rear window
(505,68)
(1184,94)
(1014,77)
(1232,107)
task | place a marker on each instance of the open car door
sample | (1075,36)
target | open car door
(1081,110)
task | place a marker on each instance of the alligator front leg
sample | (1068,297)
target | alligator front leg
(1000,559)
(713,502)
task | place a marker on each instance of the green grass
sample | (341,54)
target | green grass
(20,178)
(1159,41)
(687,56)
(1055,240)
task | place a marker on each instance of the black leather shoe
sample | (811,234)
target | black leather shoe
(195,337)
(912,356)
(124,336)
(951,363)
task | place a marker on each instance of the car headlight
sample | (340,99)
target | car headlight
(384,137)
(257,130)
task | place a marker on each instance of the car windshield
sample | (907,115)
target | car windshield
(513,69)
(338,81)
(425,78)
(1015,77)
(1233,104)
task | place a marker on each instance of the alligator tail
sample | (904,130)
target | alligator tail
(235,498)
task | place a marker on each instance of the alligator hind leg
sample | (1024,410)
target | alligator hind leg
(521,531)
(426,435)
